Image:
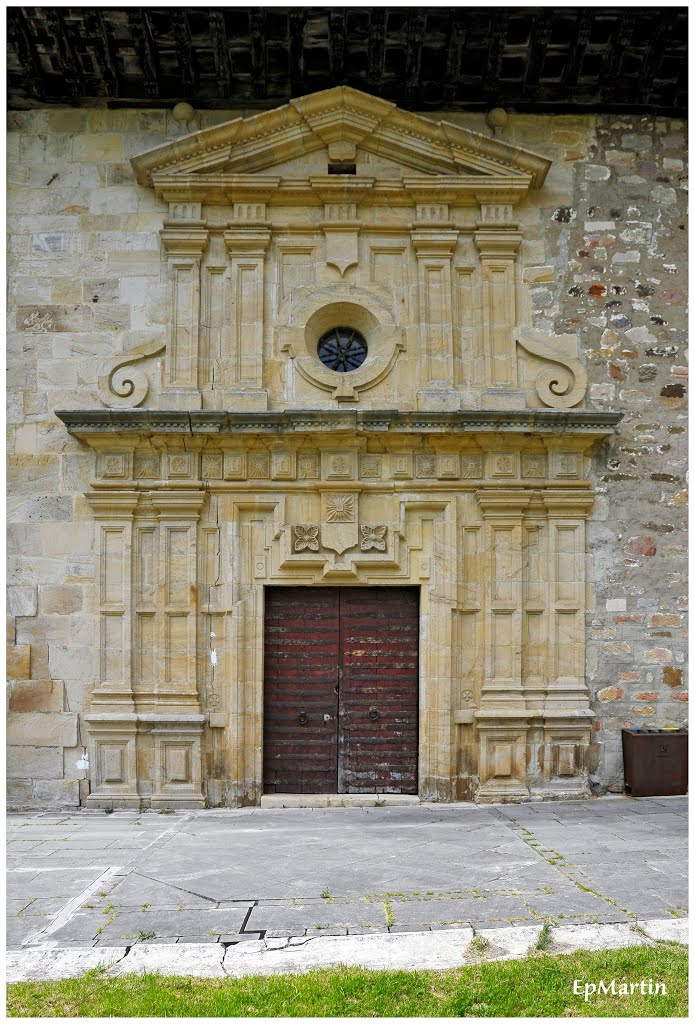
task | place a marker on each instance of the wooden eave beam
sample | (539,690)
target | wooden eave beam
(457,42)
(142,32)
(68,62)
(220,52)
(297,20)
(573,64)
(376,46)
(336,43)
(259,73)
(184,50)
(540,37)
(18,33)
(498,36)
(608,77)
(416,32)
(103,50)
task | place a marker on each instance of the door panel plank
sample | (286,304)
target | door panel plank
(300,674)
(379,629)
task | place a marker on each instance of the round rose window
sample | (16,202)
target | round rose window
(342,349)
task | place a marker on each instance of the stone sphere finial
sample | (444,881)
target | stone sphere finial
(497,119)
(183,113)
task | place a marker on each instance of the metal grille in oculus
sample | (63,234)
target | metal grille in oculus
(342,349)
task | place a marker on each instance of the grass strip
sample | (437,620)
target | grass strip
(539,986)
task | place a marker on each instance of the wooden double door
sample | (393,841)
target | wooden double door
(341,690)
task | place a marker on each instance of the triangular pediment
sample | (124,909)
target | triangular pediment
(335,120)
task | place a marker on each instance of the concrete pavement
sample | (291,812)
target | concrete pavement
(90,880)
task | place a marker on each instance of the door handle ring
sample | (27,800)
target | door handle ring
(302,717)
(374,714)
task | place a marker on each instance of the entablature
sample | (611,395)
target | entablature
(91,423)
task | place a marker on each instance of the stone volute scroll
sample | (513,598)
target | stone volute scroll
(562,387)
(120,384)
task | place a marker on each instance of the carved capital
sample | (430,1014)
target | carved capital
(180,239)
(112,504)
(499,504)
(247,241)
(428,241)
(498,242)
(568,504)
(178,504)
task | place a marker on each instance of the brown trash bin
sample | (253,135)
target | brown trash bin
(656,762)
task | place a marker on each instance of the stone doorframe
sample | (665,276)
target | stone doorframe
(485,512)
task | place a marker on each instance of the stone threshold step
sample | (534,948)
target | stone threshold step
(275,800)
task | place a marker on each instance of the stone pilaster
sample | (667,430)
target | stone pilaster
(184,243)
(502,717)
(247,242)
(498,242)
(434,241)
(113,511)
(567,714)
(178,512)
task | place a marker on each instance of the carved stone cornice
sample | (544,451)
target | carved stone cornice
(90,423)
(228,160)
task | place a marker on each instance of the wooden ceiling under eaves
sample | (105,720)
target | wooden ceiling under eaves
(534,59)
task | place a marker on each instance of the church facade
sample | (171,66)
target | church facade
(327,479)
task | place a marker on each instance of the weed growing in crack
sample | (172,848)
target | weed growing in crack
(543,940)
(478,946)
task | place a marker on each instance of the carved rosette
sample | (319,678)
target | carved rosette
(373,538)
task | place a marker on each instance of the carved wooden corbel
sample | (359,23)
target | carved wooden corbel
(559,389)
(119,388)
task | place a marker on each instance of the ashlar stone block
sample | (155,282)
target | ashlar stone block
(19,661)
(42,729)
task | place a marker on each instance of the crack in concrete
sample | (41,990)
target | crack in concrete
(532,842)
(37,940)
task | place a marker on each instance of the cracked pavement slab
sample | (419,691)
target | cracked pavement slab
(240,876)
(438,950)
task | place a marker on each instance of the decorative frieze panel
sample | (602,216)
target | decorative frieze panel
(338,465)
(308,466)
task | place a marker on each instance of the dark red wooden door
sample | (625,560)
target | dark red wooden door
(300,719)
(341,690)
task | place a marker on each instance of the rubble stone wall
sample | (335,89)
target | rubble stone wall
(606,238)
